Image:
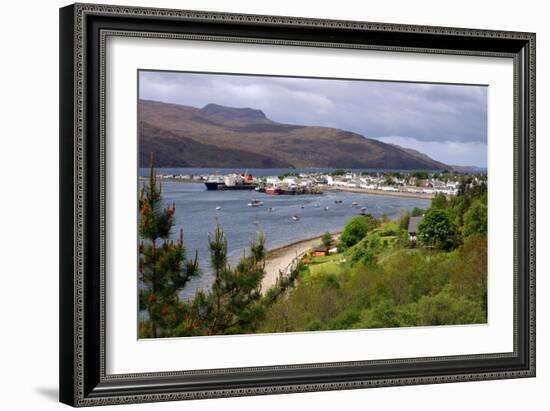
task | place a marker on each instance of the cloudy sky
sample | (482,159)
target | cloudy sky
(447,122)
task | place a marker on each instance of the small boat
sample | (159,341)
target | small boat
(316,205)
(271,209)
(302,207)
(363,210)
(337,201)
(218,208)
(326,208)
(295,218)
(354,204)
(273,191)
(255,203)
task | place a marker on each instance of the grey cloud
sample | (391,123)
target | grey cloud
(422,112)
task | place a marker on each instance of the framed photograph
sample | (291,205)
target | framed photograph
(261,204)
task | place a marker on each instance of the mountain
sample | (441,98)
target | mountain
(229,137)
(231,113)
(413,152)
(173,150)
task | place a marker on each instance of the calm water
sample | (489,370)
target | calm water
(196,213)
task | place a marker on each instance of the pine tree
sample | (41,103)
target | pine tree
(163,267)
(236,291)
(233,304)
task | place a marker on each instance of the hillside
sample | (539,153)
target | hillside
(219,136)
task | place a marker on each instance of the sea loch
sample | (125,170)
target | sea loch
(198,211)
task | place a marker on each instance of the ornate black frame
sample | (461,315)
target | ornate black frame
(83,30)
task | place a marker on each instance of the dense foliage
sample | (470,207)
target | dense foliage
(356,229)
(438,230)
(381,281)
(376,279)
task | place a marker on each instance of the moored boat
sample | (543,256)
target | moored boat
(273,191)
(239,182)
(231,182)
(255,203)
(214,182)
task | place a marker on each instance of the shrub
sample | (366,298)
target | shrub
(438,230)
(389,229)
(326,239)
(362,254)
(314,325)
(356,229)
(439,201)
(444,309)
(470,274)
(475,219)
(345,320)
(383,314)
(404,221)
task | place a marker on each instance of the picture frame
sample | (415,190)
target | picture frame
(84,29)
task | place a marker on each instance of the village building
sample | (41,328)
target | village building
(321,252)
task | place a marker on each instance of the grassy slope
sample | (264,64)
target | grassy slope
(406,287)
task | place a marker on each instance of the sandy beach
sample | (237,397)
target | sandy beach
(281,259)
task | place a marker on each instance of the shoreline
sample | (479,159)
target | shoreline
(325,188)
(173,180)
(281,258)
(406,194)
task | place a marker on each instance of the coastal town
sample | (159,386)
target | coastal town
(421,184)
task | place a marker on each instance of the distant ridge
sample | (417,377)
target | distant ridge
(232,113)
(469,169)
(230,137)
